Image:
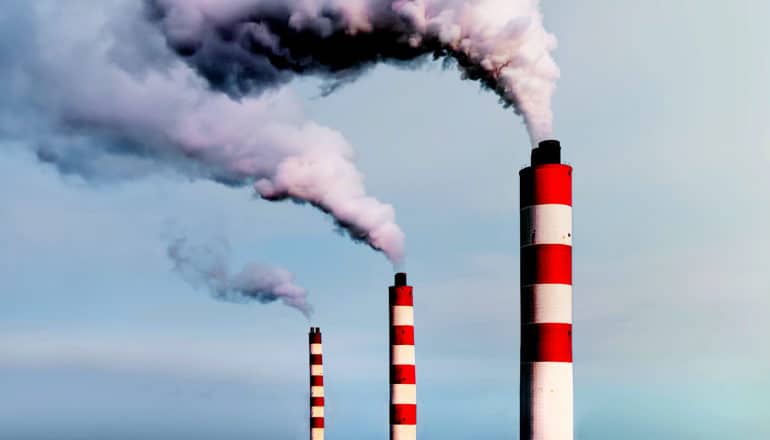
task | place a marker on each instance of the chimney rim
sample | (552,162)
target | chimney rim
(548,151)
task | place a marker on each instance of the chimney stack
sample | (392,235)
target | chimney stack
(316,385)
(403,397)
(546,393)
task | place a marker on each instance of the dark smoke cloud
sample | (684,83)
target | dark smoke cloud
(206,265)
(246,46)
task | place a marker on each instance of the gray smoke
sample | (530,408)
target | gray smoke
(92,87)
(247,46)
(206,265)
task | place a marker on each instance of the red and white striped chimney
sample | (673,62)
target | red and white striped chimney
(316,385)
(403,395)
(546,297)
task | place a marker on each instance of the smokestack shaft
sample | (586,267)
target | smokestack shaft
(546,391)
(316,385)
(403,395)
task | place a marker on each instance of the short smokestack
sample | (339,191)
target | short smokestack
(546,393)
(316,385)
(403,394)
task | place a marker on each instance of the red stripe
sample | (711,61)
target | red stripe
(316,381)
(316,422)
(401,296)
(546,343)
(402,374)
(402,335)
(316,359)
(542,184)
(315,338)
(546,264)
(316,401)
(403,414)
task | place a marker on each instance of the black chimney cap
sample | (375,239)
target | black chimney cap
(400,279)
(548,151)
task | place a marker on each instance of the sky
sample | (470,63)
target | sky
(661,110)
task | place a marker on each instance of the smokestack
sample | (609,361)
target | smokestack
(403,395)
(546,296)
(316,385)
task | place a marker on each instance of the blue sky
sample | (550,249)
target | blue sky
(662,111)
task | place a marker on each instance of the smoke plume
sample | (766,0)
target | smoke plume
(246,46)
(104,98)
(205,265)
(94,89)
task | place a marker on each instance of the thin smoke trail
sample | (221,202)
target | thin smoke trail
(206,265)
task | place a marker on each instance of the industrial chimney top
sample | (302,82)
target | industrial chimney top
(546,152)
(400,279)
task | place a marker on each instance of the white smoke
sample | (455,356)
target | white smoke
(245,46)
(206,265)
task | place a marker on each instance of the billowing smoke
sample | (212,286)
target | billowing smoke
(246,46)
(104,98)
(206,265)
(93,88)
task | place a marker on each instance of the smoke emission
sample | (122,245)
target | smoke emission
(246,46)
(105,99)
(120,89)
(205,265)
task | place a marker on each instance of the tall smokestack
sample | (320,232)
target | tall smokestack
(316,385)
(546,296)
(403,394)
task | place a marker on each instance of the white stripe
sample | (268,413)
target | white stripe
(402,315)
(403,432)
(317,411)
(315,349)
(317,434)
(316,391)
(402,354)
(546,224)
(551,303)
(549,386)
(316,370)
(403,393)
